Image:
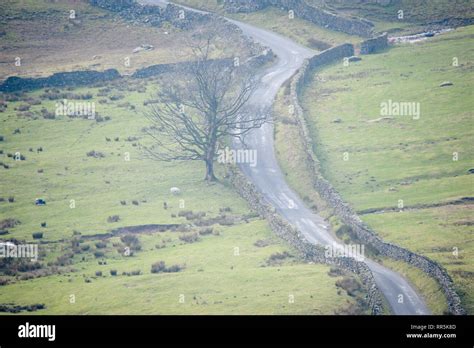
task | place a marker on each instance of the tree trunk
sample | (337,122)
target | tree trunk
(210,153)
(210,170)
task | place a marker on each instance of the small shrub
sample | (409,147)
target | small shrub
(349,284)
(113,218)
(37,235)
(189,237)
(160,267)
(174,268)
(23,107)
(134,202)
(261,243)
(99,253)
(132,241)
(64,260)
(116,97)
(8,223)
(100,245)
(205,231)
(279,256)
(189,215)
(336,272)
(95,154)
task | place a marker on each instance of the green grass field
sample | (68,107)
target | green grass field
(422,162)
(234,267)
(214,280)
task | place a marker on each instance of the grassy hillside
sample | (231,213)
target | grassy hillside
(109,214)
(48,41)
(420,11)
(230,261)
(393,158)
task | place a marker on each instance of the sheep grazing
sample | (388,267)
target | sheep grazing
(175,191)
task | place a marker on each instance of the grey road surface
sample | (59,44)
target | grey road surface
(268,178)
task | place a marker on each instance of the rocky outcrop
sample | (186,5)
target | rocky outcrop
(74,78)
(301,9)
(309,252)
(374,45)
(342,209)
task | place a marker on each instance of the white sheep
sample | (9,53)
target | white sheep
(175,191)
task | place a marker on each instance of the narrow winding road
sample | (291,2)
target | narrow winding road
(268,178)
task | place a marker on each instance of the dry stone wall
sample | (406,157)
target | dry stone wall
(353,26)
(374,45)
(309,252)
(340,207)
(63,79)
(153,15)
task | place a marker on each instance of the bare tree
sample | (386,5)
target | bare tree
(205,103)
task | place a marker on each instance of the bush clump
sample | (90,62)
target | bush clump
(349,284)
(189,237)
(8,223)
(131,241)
(113,218)
(99,253)
(206,231)
(160,267)
(100,245)
(95,154)
(37,235)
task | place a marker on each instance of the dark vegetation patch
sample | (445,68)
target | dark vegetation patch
(278,258)
(189,237)
(160,267)
(350,285)
(12,308)
(261,243)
